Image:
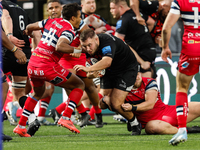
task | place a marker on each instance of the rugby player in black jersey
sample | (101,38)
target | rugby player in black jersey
(14,21)
(134,34)
(121,68)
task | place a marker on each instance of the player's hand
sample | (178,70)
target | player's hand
(166,53)
(17,42)
(27,32)
(140,20)
(93,74)
(80,67)
(127,107)
(21,57)
(145,65)
(77,55)
(100,30)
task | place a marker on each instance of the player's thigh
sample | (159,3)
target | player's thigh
(73,82)
(194,111)
(118,97)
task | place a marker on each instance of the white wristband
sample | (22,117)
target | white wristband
(77,50)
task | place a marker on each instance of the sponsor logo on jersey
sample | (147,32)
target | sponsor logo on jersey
(106,50)
(119,24)
(185,64)
(149,2)
(193,1)
(190,41)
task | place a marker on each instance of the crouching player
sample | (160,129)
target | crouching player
(145,102)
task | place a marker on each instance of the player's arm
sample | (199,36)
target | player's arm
(32,27)
(36,38)
(150,23)
(7,25)
(148,104)
(144,64)
(166,33)
(104,63)
(63,46)
(21,57)
(134,4)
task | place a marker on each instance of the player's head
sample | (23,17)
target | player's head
(89,41)
(71,12)
(116,8)
(88,6)
(164,7)
(138,80)
(54,8)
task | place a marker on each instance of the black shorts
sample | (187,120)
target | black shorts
(149,54)
(123,81)
(10,63)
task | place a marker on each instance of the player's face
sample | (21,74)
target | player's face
(89,6)
(138,81)
(114,10)
(54,10)
(77,20)
(90,45)
(164,11)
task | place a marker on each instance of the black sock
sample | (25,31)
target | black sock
(22,101)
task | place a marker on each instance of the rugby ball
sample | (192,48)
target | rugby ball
(92,61)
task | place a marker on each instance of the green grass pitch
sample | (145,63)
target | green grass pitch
(113,136)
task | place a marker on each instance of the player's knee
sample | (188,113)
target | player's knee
(81,85)
(152,128)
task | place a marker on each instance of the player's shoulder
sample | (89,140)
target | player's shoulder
(148,81)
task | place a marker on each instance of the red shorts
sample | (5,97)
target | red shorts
(68,62)
(188,65)
(167,114)
(53,73)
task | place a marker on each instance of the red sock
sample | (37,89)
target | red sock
(91,113)
(81,109)
(28,109)
(60,108)
(44,105)
(97,110)
(181,109)
(87,110)
(74,98)
(100,96)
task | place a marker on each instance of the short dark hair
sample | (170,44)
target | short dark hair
(70,10)
(52,1)
(117,1)
(87,33)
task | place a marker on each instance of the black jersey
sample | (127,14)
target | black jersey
(136,35)
(123,57)
(148,7)
(20,20)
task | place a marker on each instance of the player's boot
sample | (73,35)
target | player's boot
(136,130)
(44,122)
(55,115)
(99,122)
(68,124)
(180,136)
(21,132)
(193,129)
(84,121)
(33,127)
(10,119)
(6,138)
